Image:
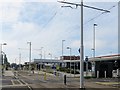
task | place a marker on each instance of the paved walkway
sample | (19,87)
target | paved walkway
(88,83)
(60,74)
(8,73)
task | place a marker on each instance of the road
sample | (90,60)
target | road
(24,80)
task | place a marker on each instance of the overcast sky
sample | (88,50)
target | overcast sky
(45,24)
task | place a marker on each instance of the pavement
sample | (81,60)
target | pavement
(8,73)
(109,83)
(58,73)
(92,83)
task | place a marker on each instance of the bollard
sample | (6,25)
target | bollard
(97,74)
(45,76)
(105,74)
(64,79)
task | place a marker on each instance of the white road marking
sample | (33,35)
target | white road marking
(12,82)
(20,82)
(11,85)
(24,82)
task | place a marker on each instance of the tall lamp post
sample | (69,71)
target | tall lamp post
(94,25)
(50,55)
(70,60)
(82,46)
(41,52)
(1,61)
(19,59)
(2,45)
(29,56)
(62,51)
(82,51)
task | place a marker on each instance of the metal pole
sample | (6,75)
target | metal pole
(19,60)
(50,55)
(41,52)
(1,61)
(29,56)
(1,48)
(94,25)
(94,40)
(62,51)
(70,62)
(74,66)
(82,51)
(1,54)
(44,54)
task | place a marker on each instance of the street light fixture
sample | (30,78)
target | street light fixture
(4,44)
(70,60)
(29,57)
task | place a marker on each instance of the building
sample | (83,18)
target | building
(105,66)
(69,57)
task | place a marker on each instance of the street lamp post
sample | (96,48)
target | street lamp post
(2,45)
(82,51)
(50,55)
(62,51)
(29,56)
(70,60)
(94,25)
(19,59)
(41,52)
(1,61)
(44,54)
(74,65)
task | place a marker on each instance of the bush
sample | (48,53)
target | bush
(67,70)
(76,72)
(88,77)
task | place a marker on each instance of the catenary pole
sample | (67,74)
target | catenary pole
(82,51)
(82,46)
